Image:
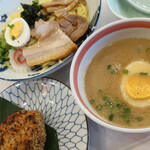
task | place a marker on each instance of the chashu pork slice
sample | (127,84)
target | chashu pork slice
(23,130)
(41,27)
(74,26)
(57,3)
(53,45)
(63,11)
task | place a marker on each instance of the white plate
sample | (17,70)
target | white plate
(59,109)
(8,7)
(142,5)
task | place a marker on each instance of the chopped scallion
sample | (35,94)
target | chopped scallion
(125,71)
(92,101)
(99,107)
(126,113)
(143,74)
(127,121)
(116,100)
(109,66)
(13,38)
(148,49)
(139,119)
(112,69)
(11,25)
(119,105)
(105,98)
(100,91)
(111,117)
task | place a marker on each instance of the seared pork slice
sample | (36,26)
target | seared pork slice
(66,26)
(54,45)
(74,26)
(60,8)
(63,11)
(42,27)
(54,8)
(23,130)
(56,3)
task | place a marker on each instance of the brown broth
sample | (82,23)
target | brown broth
(103,87)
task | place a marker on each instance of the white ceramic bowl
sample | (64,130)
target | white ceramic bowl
(110,33)
(8,7)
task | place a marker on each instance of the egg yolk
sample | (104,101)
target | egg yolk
(138,86)
(16,29)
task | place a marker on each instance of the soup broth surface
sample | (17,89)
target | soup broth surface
(104,80)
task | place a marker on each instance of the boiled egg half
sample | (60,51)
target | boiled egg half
(17,33)
(135,85)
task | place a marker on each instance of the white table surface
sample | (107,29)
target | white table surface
(100,137)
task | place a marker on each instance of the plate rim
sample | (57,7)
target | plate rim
(49,78)
(138,7)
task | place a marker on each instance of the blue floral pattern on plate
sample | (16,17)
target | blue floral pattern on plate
(58,106)
(3,18)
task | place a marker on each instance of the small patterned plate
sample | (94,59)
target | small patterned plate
(58,106)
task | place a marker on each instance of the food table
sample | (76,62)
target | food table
(101,138)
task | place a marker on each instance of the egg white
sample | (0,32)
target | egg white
(23,38)
(133,68)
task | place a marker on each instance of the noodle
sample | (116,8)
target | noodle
(80,10)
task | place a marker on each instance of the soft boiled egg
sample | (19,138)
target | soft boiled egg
(17,33)
(135,85)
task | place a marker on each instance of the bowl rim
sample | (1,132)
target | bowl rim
(85,109)
(138,7)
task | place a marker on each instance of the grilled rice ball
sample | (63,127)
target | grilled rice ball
(23,130)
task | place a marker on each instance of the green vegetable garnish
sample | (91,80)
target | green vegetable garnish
(35,1)
(111,117)
(100,91)
(127,110)
(92,101)
(109,67)
(119,105)
(127,121)
(125,71)
(11,25)
(105,98)
(116,100)
(148,49)
(112,69)
(114,107)
(126,113)
(4,48)
(143,74)
(139,119)
(32,13)
(13,38)
(99,107)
